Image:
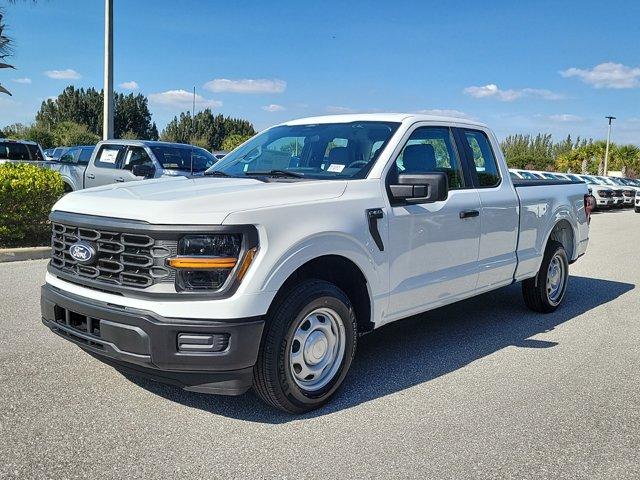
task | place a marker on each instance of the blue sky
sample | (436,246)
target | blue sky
(521,67)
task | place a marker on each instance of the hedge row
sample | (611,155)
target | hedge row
(27,194)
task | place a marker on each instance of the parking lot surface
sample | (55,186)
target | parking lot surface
(479,389)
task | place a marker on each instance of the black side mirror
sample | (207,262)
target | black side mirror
(421,187)
(144,170)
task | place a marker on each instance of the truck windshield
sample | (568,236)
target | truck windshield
(181,158)
(317,151)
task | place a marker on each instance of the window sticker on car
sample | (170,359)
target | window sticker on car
(109,156)
(335,167)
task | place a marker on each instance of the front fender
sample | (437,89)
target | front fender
(335,244)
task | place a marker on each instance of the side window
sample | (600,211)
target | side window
(108,156)
(431,149)
(35,152)
(136,156)
(85,156)
(13,151)
(70,156)
(483,158)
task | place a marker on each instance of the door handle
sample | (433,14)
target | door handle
(469,213)
(119,179)
(373,215)
(91,176)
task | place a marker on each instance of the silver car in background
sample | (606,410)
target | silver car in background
(117,161)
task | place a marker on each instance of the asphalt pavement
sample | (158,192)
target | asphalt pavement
(479,389)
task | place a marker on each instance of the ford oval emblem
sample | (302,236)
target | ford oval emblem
(82,252)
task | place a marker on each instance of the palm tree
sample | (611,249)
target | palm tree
(5,51)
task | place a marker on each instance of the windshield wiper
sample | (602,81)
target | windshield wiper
(216,173)
(274,173)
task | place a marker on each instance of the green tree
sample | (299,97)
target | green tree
(131,112)
(34,133)
(234,140)
(71,133)
(205,129)
(625,158)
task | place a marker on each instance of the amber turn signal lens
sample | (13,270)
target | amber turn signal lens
(195,263)
(248,258)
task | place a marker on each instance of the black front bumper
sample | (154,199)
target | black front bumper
(146,344)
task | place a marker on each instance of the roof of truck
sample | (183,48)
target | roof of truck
(148,143)
(382,117)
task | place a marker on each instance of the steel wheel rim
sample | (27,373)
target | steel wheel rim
(317,349)
(556,279)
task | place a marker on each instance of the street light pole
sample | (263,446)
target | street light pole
(107,113)
(606,151)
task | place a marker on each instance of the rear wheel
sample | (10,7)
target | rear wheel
(307,349)
(637,209)
(544,292)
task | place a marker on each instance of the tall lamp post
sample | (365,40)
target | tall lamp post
(606,151)
(107,113)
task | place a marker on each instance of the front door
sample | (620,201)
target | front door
(433,247)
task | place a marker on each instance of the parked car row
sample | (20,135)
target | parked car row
(608,192)
(112,161)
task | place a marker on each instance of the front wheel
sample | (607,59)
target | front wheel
(544,292)
(307,349)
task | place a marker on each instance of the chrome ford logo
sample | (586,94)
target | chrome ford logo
(82,252)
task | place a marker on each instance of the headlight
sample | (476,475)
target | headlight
(207,262)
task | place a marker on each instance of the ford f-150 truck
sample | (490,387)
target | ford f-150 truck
(119,161)
(265,271)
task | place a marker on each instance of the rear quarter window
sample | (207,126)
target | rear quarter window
(14,151)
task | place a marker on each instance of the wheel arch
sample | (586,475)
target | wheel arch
(563,232)
(342,272)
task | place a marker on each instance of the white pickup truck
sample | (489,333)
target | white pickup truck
(265,271)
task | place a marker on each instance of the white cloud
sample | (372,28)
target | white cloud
(493,91)
(24,80)
(132,85)
(337,110)
(565,118)
(246,85)
(273,108)
(182,99)
(444,112)
(68,74)
(542,93)
(606,75)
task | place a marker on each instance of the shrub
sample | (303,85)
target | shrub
(27,194)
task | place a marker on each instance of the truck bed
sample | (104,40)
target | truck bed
(542,204)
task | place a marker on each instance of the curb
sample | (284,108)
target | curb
(20,254)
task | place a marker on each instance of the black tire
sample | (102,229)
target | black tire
(273,379)
(637,209)
(534,290)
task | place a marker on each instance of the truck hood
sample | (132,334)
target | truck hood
(193,201)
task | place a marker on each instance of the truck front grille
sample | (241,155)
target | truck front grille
(124,259)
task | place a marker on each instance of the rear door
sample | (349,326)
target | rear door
(104,169)
(499,215)
(433,247)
